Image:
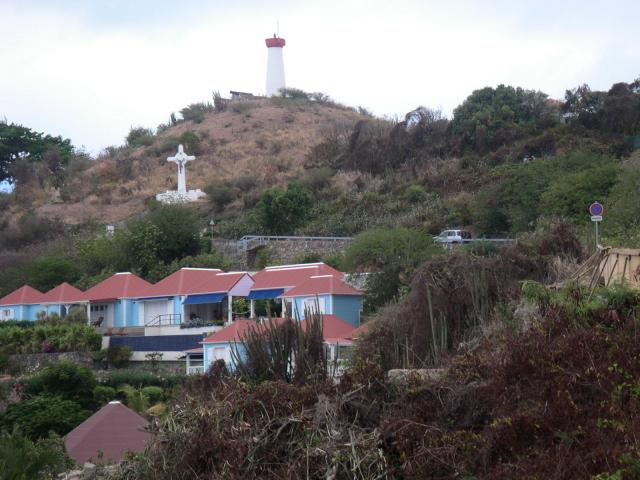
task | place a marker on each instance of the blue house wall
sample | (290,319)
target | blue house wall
(208,348)
(348,308)
(298,305)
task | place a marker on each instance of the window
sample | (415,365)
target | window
(314,304)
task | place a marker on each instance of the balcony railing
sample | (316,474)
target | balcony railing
(195,370)
(165,320)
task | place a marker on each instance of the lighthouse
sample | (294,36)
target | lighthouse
(275,65)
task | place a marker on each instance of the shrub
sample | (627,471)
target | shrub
(282,211)
(133,398)
(22,459)
(139,137)
(63,338)
(38,416)
(103,395)
(65,380)
(153,394)
(141,379)
(220,194)
(196,111)
(191,142)
(415,194)
(119,355)
(393,254)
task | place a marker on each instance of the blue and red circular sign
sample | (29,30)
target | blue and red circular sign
(596,209)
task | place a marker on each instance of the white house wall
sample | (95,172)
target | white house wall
(242,287)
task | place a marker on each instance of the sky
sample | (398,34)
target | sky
(91,70)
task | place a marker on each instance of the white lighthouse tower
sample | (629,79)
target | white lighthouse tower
(275,65)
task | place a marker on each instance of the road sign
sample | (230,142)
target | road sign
(596,218)
(596,210)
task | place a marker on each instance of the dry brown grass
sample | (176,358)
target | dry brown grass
(267,141)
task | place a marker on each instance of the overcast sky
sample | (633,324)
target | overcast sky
(89,70)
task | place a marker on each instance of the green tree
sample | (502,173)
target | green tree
(38,416)
(18,142)
(393,254)
(47,272)
(282,211)
(492,117)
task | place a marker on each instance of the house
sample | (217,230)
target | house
(61,299)
(200,296)
(175,313)
(21,304)
(337,335)
(326,294)
(107,435)
(111,303)
(271,283)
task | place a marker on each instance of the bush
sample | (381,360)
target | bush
(119,355)
(38,416)
(103,395)
(415,194)
(62,338)
(133,398)
(197,111)
(141,379)
(153,394)
(139,137)
(220,194)
(65,380)
(23,459)
(281,212)
(393,254)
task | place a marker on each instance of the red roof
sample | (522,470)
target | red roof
(63,293)
(25,295)
(232,333)
(120,285)
(334,329)
(275,42)
(323,285)
(112,430)
(221,282)
(184,282)
(288,276)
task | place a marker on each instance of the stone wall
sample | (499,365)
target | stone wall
(278,251)
(30,362)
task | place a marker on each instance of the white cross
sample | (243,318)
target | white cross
(181,160)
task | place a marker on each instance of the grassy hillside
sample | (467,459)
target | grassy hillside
(509,162)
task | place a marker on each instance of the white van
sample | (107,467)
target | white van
(453,236)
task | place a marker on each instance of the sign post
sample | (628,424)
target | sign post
(596,210)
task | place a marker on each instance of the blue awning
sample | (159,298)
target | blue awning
(204,298)
(264,294)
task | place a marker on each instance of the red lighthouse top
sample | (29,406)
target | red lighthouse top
(275,42)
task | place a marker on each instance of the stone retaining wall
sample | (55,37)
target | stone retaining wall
(30,362)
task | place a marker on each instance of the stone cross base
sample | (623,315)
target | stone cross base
(173,196)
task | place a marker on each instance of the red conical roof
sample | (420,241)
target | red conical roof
(25,295)
(63,293)
(113,430)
